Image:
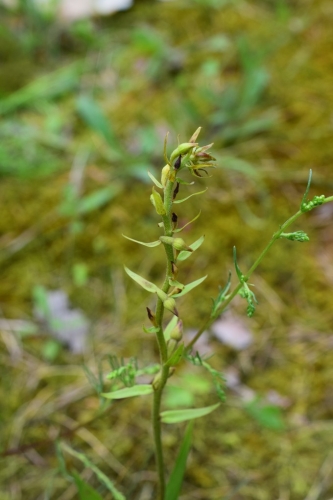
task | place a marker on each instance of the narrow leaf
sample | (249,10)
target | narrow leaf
(129,392)
(86,492)
(181,228)
(176,356)
(174,485)
(190,286)
(185,255)
(238,271)
(147,285)
(305,195)
(181,181)
(96,199)
(188,197)
(94,116)
(101,476)
(170,326)
(174,416)
(155,181)
(150,245)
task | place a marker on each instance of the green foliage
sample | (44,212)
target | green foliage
(222,295)
(129,392)
(218,378)
(175,416)
(175,482)
(124,372)
(189,155)
(85,491)
(82,487)
(93,115)
(267,415)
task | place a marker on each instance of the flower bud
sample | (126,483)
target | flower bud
(177,243)
(182,149)
(157,381)
(170,304)
(177,332)
(165,175)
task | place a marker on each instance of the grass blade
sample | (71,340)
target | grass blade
(101,476)
(176,478)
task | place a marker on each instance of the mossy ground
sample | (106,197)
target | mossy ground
(158,67)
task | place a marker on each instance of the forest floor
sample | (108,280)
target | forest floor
(84,112)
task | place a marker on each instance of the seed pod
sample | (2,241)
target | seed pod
(157,381)
(170,304)
(182,149)
(177,243)
(177,332)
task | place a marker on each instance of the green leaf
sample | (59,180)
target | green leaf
(151,245)
(176,356)
(170,326)
(195,218)
(147,285)
(86,492)
(267,415)
(92,114)
(174,485)
(190,286)
(101,476)
(96,199)
(181,181)
(43,88)
(174,416)
(221,297)
(185,254)
(238,271)
(155,181)
(129,392)
(305,195)
(188,197)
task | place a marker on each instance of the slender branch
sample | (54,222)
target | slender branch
(254,266)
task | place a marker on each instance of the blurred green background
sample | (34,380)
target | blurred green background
(85,105)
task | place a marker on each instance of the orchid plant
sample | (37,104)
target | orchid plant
(172,349)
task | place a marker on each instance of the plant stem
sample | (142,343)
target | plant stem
(164,373)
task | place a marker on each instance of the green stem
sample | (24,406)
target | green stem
(230,297)
(164,373)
